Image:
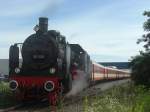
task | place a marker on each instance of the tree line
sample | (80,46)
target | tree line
(140,64)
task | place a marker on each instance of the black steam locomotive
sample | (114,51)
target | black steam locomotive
(46,55)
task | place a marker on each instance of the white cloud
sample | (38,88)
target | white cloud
(10,37)
(99,35)
(26,7)
(111,30)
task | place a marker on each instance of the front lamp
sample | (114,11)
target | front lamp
(52,70)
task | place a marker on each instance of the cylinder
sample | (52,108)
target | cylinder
(43,24)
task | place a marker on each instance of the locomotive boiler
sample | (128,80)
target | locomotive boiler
(45,64)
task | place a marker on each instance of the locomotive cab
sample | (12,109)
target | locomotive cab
(80,60)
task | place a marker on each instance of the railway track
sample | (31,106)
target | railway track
(94,90)
(32,105)
(11,108)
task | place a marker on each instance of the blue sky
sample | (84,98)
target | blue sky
(106,29)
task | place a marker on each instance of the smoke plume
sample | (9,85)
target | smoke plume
(78,84)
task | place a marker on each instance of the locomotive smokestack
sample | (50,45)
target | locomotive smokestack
(43,24)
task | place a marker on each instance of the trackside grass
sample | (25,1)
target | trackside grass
(126,98)
(6,96)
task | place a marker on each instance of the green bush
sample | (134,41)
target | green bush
(140,69)
(140,64)
(6,96)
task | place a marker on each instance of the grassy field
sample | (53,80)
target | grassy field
(127,98)
(6,96)
(124,98)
